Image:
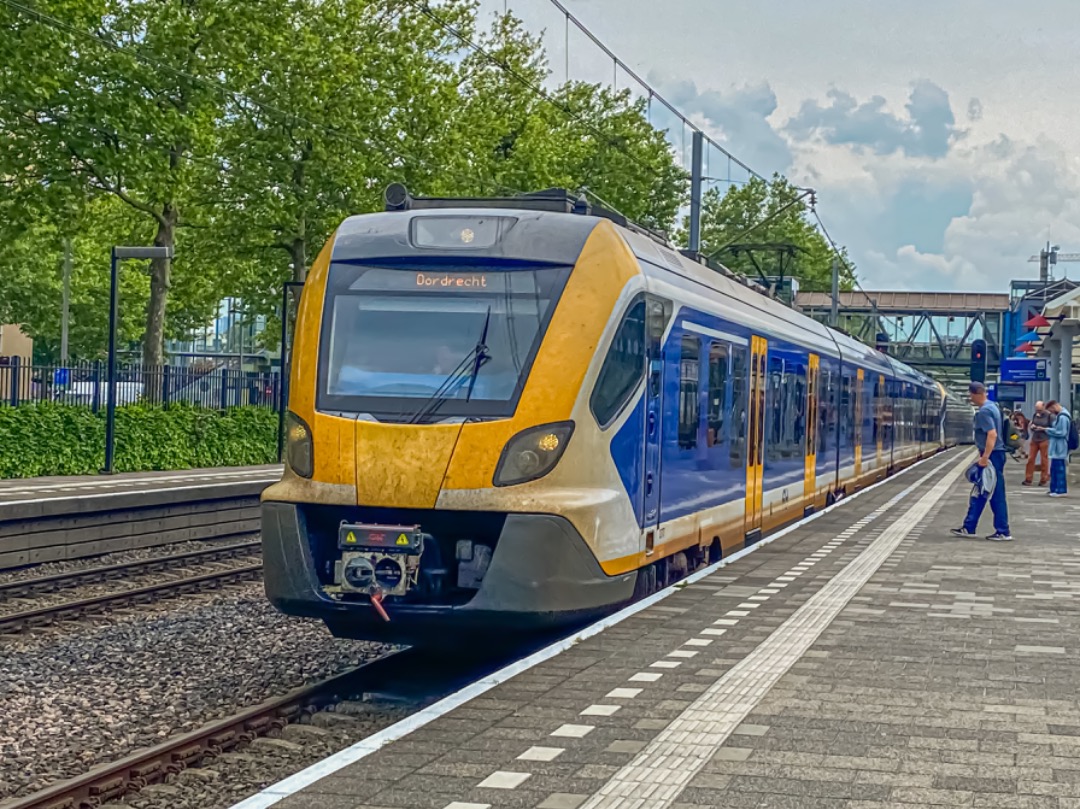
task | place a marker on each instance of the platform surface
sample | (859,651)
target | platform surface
(60,488)
(865,659)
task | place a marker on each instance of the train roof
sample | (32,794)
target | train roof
(571,219)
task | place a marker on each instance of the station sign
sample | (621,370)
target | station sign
(1025,370)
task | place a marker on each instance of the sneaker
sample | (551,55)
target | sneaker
(962,532)
(997,536)
(1028,483)
(1044,483)
(1057,494)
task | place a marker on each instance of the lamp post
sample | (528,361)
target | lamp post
(119,254)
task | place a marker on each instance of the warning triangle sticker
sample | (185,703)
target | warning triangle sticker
(350,537)
(402,539)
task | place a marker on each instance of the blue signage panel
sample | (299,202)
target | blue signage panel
(1024,370)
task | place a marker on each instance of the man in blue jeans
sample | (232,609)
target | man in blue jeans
(988,440)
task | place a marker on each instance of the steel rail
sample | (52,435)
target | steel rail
(73,609)
(73,578)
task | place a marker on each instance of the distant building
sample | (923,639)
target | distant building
(15,343)
(16,349)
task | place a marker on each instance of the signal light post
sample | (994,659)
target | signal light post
(978,360)
(118,254)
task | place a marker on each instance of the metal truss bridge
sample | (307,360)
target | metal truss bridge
(932,331)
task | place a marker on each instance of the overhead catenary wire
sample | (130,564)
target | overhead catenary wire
(652,91)
(843,260)
(425,9)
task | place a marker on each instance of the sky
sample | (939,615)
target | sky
(942,138)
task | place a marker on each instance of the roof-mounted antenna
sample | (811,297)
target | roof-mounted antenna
(397,197)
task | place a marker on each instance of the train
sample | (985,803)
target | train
(509,415)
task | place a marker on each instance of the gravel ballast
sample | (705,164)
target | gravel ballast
(89,693)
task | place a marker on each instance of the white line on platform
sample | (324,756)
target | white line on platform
(686,745)
(364,748)
(193,485)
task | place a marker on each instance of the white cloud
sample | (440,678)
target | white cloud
(933,132)
(926,130)
(1020,195)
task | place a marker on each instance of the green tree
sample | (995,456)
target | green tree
(755,214)
(31,277)
(331,100)
(114,97)
(509,137)
(604,142)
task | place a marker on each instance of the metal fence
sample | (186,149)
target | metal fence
(203,385)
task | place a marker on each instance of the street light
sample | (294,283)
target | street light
(118,254)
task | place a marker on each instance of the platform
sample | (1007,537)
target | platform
(58,518)
(864,659)
(26,490)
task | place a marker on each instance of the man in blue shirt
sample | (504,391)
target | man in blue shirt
(991,447)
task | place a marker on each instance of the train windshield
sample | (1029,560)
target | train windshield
(398,341)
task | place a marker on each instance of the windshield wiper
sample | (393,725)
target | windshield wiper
(470,364)
(480,354)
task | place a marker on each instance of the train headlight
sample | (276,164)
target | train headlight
(532,453)
(298,448)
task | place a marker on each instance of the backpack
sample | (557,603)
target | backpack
(1011,437)
(1074,437)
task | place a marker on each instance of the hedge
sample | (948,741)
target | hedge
(47,438)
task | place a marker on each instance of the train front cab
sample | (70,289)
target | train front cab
(506,545)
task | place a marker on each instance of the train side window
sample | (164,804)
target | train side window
(824,409)
(774,406)
(795,415)
(718,377)
(877,409)
(622,369)
(740,385)
(689,391)
(847,410)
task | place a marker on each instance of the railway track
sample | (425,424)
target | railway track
(408,675)
(20,588)
(77,608)
(154,764)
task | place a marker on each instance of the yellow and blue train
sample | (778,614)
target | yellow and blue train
(515,414)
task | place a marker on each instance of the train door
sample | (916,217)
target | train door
(755,439)
(654,413)
(810,478)
(857,427)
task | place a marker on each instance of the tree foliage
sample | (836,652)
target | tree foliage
(243,133)
(113,98)
(762,218)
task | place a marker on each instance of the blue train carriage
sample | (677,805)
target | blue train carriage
(504,415)
(765,415)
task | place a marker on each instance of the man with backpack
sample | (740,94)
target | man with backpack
(989,429)
(1063,440)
